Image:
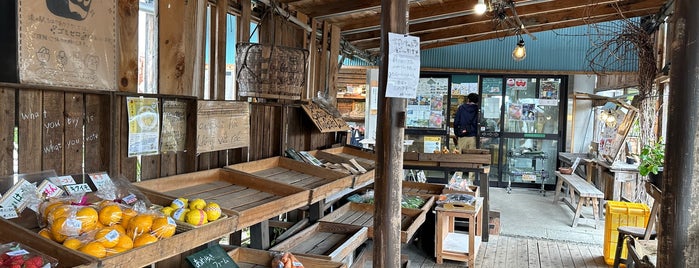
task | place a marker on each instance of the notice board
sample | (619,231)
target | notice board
(67,43)
(222,125)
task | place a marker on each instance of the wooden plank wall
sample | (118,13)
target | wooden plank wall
(350,76)
(57,130)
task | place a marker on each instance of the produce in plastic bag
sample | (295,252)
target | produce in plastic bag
(457,182)
(18,255)
(285,260)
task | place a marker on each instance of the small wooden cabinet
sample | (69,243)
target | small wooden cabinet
(454,245)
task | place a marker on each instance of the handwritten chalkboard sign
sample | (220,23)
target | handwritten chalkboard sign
(325,121)
(213,256)
(222,125)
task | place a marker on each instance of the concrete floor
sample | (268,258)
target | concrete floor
(526,213)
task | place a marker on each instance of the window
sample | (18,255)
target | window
(147,47)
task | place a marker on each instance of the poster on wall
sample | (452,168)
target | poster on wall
(403,65)
(426,110)
(432,144)
(144,125)
(67,43)
(172,136)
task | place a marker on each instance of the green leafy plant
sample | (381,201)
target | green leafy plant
(652,158)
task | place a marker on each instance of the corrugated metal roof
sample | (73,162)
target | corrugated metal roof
(560,50)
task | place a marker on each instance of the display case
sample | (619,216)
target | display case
(528,161)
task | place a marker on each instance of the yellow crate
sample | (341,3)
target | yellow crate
(621,214)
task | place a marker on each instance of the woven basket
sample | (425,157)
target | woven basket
(273,72)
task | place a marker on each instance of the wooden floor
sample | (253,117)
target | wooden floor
(506,252)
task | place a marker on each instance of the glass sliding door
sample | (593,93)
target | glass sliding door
(525,133)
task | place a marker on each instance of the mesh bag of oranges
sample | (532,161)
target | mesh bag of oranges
(105,227)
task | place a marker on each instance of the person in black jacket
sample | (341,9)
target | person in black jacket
(466,123)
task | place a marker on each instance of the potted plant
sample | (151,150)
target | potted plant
(652,160)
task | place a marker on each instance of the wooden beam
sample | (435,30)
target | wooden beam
(483,30)
(334,55)
(312,62)
(323,74)
(128,45)
(193,32)
(432,17)
(244,21)
(389,140)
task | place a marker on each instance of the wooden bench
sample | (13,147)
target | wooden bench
(585,192)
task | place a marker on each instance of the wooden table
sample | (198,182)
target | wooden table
(450,244)
(612,176)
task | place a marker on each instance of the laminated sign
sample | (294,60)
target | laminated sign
(67,43)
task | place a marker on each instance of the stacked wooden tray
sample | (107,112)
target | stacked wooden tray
(341,155)
(325,240)
(472,159)
(359,214)
(319,181)
(411,187)
(255,258)
(252,199)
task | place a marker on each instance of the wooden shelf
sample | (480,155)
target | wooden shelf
(352,98)
(353,118)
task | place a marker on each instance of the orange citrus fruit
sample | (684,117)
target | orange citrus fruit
(60,238)
(109,237)
(72,243)
(119,228)
(141,223)
(88,216)
(46,233)
(50,207)
(65,226)
(59,212)
(124,242)
(110,215)
(126,216)
(144,239)
(95,249)
(163,227)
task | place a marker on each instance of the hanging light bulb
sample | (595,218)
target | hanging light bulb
(611,119)
(519,53)
(602,117)
(480,8)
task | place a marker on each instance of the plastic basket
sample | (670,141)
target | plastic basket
(621,214)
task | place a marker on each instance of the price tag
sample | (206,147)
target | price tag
(77,189)
(112,236)
(8,213)
(178,203)
(529,177)
(213,256)
(129,199)
(19,252)
(178,214)
(62,180)
(15,197)
(170,221)
(101,180)
(71,227)
(48,189)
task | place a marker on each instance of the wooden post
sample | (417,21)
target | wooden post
(389,145)
(221,25)
(678,238)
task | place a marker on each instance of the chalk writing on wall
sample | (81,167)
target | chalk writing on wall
(222,125)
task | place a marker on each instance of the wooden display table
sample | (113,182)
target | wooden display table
(458,246)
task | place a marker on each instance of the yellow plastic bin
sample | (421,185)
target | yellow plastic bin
(621,214)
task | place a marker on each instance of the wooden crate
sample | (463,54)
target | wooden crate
(411,187)
(467,160)
(255,258)
(321,182)
(475,191)
(12,232)
(252,198)
(343,155)
(325,240)
(359,214)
